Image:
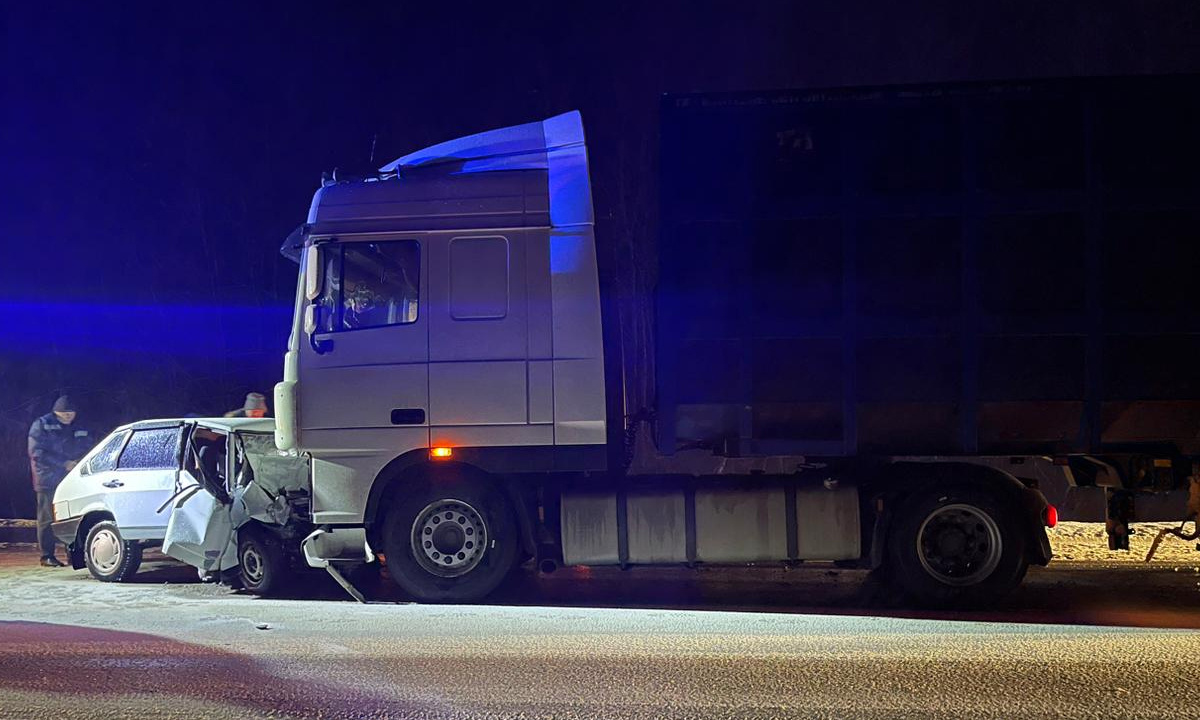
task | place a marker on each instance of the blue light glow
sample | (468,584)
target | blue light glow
(566,253)
(170,329)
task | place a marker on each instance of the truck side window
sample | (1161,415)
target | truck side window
(478,278)
(371,285)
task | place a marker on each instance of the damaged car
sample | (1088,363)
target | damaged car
(246,504)
(214,493)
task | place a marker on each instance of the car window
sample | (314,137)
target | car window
(212,445)
(105,458)
(151,449)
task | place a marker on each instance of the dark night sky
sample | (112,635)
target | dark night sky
(155,155)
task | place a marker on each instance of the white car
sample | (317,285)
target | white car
(118,499)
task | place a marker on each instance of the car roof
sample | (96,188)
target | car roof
(263,425)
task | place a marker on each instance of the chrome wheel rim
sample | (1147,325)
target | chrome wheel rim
(959,544)
(106,550)
(449,538)
(252,564)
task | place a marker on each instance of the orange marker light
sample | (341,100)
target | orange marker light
(440,453)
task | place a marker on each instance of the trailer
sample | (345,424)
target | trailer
(999,270)
(883,316)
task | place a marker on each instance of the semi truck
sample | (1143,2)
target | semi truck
(882,317)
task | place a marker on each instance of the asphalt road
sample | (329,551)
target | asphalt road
(700,646)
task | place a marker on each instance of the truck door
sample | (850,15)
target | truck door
(366,363)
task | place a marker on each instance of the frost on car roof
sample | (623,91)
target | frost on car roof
(263,425)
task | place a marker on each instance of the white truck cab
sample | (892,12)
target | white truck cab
(449,306)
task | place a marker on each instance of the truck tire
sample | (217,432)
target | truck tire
(452,542)
(956,545)
(262,567)
(108,556)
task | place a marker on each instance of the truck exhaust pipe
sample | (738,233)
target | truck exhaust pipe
(547,566)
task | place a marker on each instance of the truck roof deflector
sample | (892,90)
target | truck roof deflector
(555,145)
(508,148)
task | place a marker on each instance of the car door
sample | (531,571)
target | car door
(199,528)
(199,531)
(143,480)
(84,491)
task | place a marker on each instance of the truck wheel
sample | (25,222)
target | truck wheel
(450,543)
(108,556)
(261,564)
(956,545)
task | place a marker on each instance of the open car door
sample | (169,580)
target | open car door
(200,529)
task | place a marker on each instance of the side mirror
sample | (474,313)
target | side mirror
(310,318)
(312,324)
(312,272)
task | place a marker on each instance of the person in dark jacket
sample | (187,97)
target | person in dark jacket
(55,445)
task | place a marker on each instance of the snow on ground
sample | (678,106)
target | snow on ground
(1087,541)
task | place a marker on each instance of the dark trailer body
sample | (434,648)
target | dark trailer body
(884,317)
(974,269)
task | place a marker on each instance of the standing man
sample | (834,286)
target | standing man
(54,448)
(254,407)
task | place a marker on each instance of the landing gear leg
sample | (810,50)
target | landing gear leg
(1193,516)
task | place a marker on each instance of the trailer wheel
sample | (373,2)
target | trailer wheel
(262,566)
(453,542)
(109,557)
(956,545)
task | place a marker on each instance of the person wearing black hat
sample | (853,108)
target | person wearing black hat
(55,445)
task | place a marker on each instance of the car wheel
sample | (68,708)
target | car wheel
(453,542)
(261,563)
(108,556)
(956,545)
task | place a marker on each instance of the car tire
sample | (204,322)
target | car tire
(955,545)
(108,556)
(262,567)
(432,540)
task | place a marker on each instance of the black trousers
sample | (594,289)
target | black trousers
(45,516)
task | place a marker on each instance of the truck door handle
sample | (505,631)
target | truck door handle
(113,484)
(408,416)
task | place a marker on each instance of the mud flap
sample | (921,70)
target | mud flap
(200,533)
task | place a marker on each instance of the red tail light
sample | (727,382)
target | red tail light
(1051,516)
